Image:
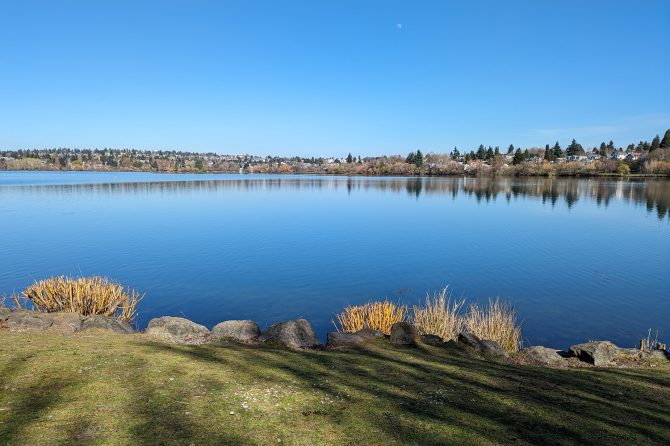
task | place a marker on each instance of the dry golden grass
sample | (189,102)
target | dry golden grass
(440,316)
(83,295)
(496,322)
(374,315)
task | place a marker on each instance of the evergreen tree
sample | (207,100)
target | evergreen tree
(665,142)
(603,149)
(497,151)
(481,152)
(548,153)
(418,158)
(455,153)
(518,157)
(410,158)
(510,149)
(350,159)
(489,153)
(557,150)
(655,143)
(574,148)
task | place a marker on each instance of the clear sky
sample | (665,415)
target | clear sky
(330,77)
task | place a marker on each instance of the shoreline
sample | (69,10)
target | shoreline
(478,174)
(298,334)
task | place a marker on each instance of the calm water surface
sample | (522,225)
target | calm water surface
(581,259)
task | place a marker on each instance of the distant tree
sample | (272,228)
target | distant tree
(481,152)
(518,157)
(489,153)
(610,146)
(496,152)
(603,149)
(665,142)
(548,153)
(199,164)
(455,153)
(418,158)
(510,149)
(360,161)
(350,159)
(655,143)
(574,148)
(557,150)
(410,158)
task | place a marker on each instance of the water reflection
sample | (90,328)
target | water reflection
(653,194)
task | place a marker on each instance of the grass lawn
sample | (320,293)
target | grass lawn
(102,388)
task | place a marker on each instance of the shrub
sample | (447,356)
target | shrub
(83,295)
(439,316)
(496,322)
(622,168)
(374,315)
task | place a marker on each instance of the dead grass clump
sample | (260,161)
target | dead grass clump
(83,295)
(374,315)
(496,322)
(439,316)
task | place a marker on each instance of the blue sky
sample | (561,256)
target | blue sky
(330,77)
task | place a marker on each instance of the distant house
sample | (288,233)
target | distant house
(576,157)
(618,155)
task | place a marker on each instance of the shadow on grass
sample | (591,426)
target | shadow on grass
(383,395)
(480,400)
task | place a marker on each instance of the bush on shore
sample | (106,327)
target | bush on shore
(83,295)
(438,316)
(373,315)
(496,321)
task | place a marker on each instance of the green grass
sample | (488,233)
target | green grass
(95,388)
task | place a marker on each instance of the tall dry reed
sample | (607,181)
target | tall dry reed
(496,322)
(439,316)
(374,315)
(83,295)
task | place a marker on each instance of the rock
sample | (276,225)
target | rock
(66,322)
(293,334)
(489,347)
(403,333)
(243,331)
(598,353)
(25,320)
(543,355)
(469,340)
(433,340)
(177,330)
(101,322)
(341,339)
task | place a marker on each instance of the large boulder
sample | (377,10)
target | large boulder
(493,348)
(470,342)
(543,355)
(177,330)
(67,322)
(403,333)
(243,331)
(598,353)
(293,334)
(342,339)
(24,320)
(100,322)
(433,340)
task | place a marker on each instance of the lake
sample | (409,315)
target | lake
(579,258)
